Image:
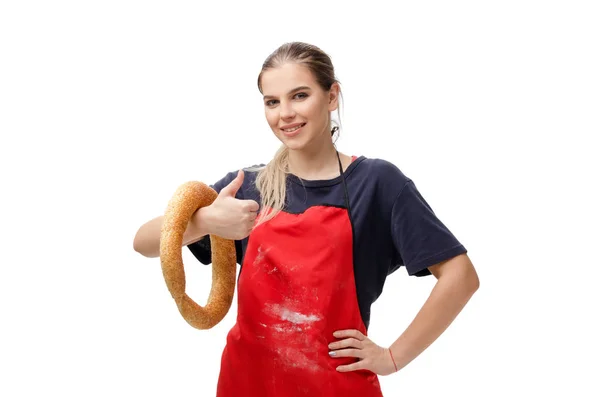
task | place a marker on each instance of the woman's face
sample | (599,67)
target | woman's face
(293,98)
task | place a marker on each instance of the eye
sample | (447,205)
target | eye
(272,102)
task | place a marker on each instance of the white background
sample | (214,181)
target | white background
(106,107)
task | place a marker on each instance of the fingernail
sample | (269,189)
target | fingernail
(331,354)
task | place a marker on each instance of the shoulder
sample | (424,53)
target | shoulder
(254,169)
(384,173)
(250,174)
(379,182)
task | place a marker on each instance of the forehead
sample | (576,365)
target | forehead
(281,80)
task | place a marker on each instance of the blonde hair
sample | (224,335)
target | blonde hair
(271,178)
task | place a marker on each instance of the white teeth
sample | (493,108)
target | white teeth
(294,129)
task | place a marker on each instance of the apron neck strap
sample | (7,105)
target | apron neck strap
(346,196)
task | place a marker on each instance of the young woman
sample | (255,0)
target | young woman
(316,233)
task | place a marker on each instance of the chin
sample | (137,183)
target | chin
(294,145)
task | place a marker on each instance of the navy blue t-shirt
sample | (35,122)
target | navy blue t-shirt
(392,223)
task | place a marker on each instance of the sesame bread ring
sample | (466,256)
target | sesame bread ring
(187,199)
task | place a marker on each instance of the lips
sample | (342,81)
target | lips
(293,133)
(287,127)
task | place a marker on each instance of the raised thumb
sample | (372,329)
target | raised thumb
(234,185)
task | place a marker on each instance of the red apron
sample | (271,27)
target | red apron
(296,288)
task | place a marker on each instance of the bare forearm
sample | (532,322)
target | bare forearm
(147,238)
(447,299)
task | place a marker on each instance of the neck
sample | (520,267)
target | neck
(319,163)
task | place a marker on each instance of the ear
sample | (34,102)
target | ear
(334,93)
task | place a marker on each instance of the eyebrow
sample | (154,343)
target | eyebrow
(290,92)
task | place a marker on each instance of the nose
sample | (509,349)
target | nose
(286,110)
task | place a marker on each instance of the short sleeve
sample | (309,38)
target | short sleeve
(201,248)
(419,237)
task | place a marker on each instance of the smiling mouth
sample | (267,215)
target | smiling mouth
(290,130)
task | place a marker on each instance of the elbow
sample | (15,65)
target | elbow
(138,246)
(460,272)
(470,280)
(141,246)
(474,282)
(469,276)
